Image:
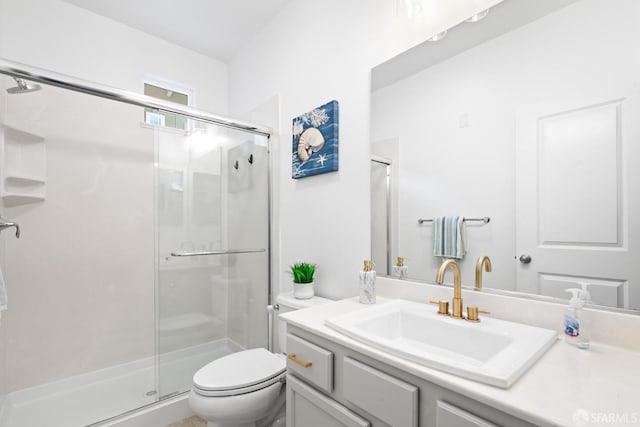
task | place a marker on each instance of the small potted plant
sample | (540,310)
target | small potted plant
(302,273)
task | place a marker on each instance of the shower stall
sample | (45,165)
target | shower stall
(143,251)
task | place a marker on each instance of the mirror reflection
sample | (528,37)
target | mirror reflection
(527,117)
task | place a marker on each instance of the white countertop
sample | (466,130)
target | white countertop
(566,387)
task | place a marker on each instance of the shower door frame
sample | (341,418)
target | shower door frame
(51,78)
(26,72)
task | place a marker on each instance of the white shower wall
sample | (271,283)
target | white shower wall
(96,229)
(81,277)
(107,142)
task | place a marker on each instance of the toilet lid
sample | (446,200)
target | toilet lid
(239,370)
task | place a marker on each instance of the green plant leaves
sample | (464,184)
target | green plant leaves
(302,272)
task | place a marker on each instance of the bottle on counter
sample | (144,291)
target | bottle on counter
(368,284)
(400,270)
(576,325)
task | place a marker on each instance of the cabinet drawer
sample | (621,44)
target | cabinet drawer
(307,407)
(450,416)
(310,362)
(393,401)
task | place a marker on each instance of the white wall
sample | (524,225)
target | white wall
(311,53)
(451,170)
(57,36)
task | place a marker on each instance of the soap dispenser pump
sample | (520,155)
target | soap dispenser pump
(368,284)
(576,327)
(400,269)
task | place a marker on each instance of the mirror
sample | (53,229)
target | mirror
(527,117)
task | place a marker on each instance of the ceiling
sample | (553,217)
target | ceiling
(502,18)
(215,28)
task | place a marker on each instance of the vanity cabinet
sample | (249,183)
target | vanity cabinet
(332,385)
(308,407)
(451,416)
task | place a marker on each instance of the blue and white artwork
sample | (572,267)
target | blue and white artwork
(315,141)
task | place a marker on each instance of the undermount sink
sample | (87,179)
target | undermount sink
(493,351)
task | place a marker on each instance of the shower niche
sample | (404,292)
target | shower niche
(23,167)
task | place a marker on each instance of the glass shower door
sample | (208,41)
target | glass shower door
(77,341)
(213,248)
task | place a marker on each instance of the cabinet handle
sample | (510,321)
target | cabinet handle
(293,358)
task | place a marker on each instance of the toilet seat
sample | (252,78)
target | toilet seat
(239,373)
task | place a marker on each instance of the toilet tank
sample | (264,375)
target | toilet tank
(287,302)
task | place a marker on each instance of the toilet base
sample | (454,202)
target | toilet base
(215,424)
(278,419)
(262,408)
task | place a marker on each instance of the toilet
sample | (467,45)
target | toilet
(246,389)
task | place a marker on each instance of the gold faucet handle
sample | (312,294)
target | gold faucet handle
(443,306)
(473,313)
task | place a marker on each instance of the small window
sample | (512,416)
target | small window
(168,94)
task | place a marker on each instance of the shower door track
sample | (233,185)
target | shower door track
(27,72)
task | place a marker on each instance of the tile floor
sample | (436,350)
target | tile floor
(190,422)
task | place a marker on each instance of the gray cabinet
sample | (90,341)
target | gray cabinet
(450,416)
(313,363)
(332,385)
(393,401)
(309,408)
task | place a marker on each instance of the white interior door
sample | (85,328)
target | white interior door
(576,181)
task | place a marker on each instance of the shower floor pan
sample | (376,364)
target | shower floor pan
(89,398)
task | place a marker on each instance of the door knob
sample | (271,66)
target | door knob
(525,259)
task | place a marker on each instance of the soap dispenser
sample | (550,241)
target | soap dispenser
(576,327)
(400,270)
(368,284)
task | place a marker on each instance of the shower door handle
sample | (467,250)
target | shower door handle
(222,252)
(6,224)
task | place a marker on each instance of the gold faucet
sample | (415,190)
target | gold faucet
(457,289)
(485,262)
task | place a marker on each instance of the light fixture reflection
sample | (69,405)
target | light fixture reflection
(408,8)
(478,16)
(201,141)
(438,36)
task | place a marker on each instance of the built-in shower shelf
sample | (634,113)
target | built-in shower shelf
(23,181)
(11,200)
(24,166)
(22,136)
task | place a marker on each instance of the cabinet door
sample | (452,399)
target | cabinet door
(393,401)
(451,416)
(308,408)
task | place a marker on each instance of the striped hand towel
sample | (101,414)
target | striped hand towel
(449,237)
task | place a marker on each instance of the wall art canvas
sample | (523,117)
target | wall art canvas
(315,141)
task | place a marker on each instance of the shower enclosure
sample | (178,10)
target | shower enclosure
(143,251)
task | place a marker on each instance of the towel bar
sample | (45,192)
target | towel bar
(484,220)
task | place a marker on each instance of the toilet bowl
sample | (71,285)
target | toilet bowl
(247,388)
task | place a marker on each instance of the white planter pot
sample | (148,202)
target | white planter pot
(303,290)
